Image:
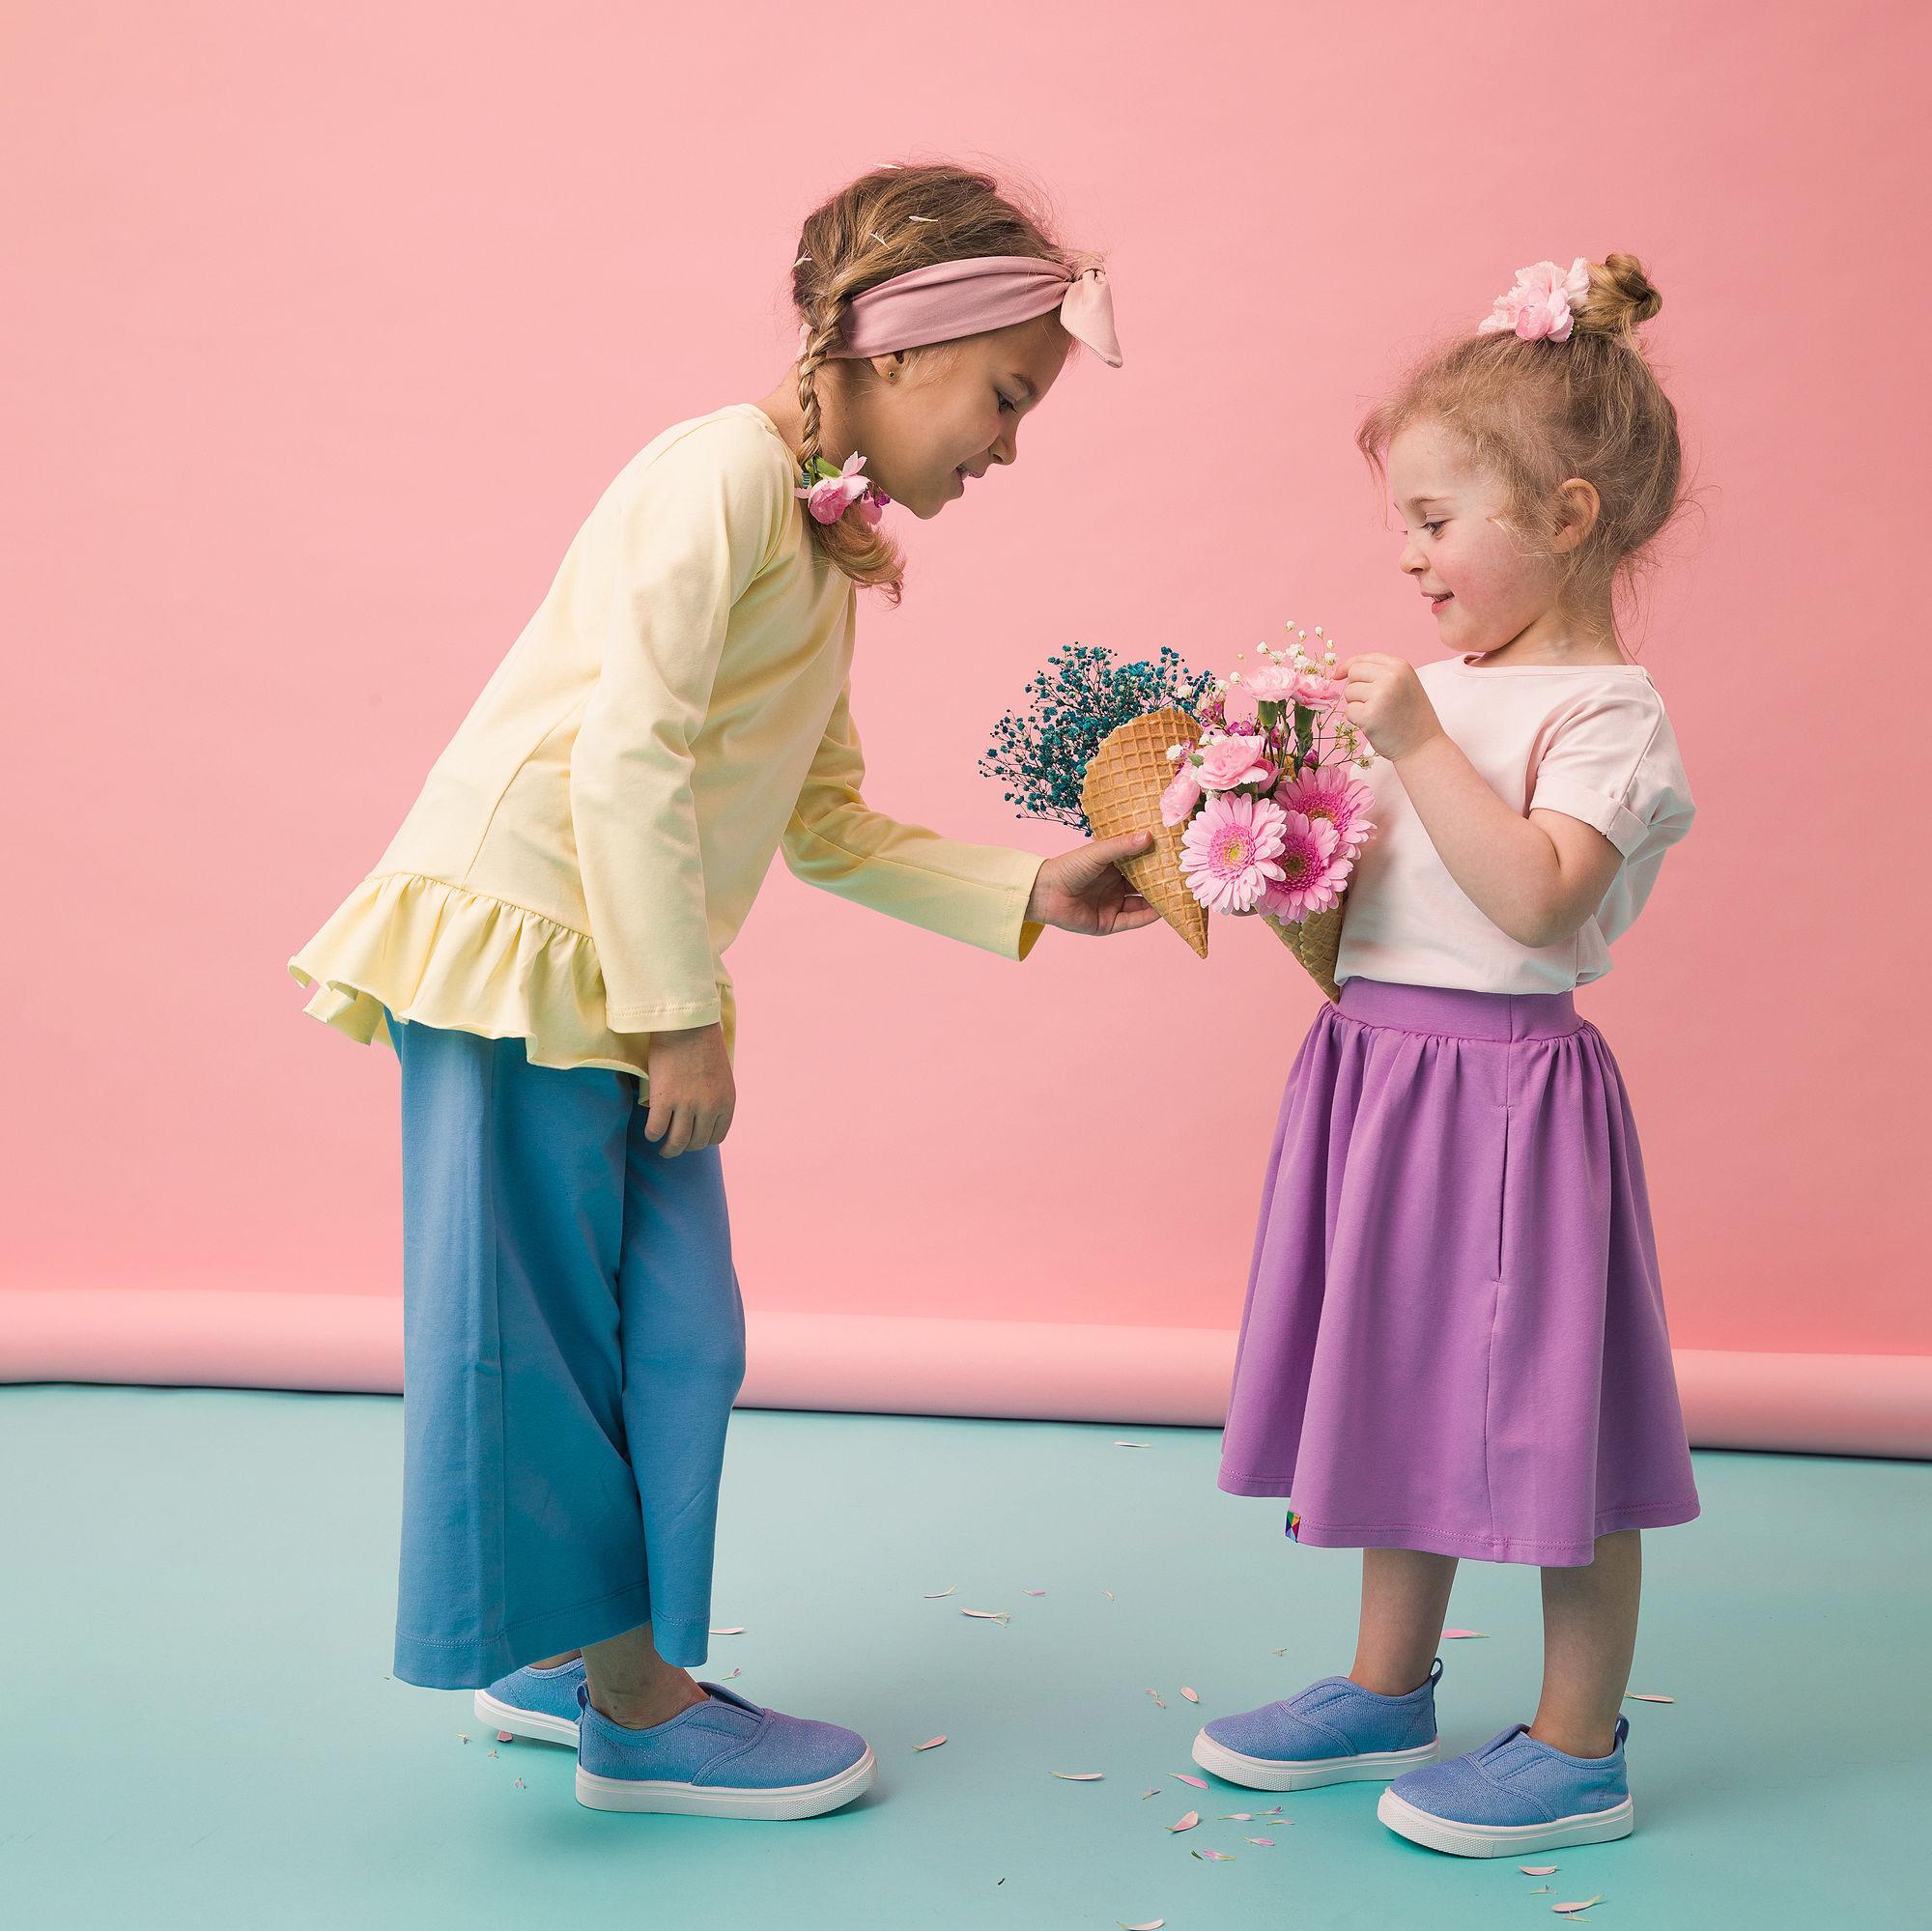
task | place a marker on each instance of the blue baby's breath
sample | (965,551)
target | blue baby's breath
(1040,752)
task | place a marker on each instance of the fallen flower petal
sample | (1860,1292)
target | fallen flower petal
(1078,1775)
(728,1632)
(1454,1635)
(1133,1444)
(504,1737)
(1200,1783)
(1266,1843)
(1001,1616)
(1237,1817)
(1153,1923)
(1584,1904)
(1189,1695)
(939,1594)
(1647,1696)
(1537,1870)
(1187,1823)
(1033,1591)
(1217,1856)
(930,1744)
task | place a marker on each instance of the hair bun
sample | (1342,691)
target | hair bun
(1620,299)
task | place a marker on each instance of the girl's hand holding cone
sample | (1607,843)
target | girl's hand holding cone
(1083,890)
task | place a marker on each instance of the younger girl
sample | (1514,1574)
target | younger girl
(543,946)
(1454,1342)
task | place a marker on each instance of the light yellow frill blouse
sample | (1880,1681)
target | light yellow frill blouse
(675,713)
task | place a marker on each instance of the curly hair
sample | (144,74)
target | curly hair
(1540,413)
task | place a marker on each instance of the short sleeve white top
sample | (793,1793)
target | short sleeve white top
(1591,741)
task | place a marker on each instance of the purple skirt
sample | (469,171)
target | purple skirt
(1454,1337)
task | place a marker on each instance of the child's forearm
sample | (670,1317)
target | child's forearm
(1509,866)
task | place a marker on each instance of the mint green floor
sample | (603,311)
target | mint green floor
(195,1591)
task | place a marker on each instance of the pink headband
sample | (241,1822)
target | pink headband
(949,300)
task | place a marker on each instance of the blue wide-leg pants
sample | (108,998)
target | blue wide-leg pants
(573,1338)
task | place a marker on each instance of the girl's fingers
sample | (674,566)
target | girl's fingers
(679,1137)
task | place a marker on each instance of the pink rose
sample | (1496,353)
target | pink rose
(830,496)
(1231,761)
(1178,800)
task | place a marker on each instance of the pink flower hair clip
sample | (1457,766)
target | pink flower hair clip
(1538,308)
(830,493)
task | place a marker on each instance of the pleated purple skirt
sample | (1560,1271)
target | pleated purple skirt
(1454,1337)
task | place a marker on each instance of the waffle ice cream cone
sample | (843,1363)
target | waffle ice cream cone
(1317,943)
(1121,793)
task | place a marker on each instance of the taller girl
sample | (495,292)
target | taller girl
(1454,1341)
(543,946)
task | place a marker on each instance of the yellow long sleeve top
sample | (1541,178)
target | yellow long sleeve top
(678,711)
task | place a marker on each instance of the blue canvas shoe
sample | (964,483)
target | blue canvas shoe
(724,1757)
(1513,1796)
(539,1703)
(1333,1732)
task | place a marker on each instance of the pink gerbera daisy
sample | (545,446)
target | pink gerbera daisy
(1313,870)
(1228,853)
(1326,791)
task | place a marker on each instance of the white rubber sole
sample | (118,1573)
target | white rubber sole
(1307,1772)
(1503,1840)
(692,1800)
(532,1724)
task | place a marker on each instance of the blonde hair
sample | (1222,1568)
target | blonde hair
(1540,413)
(886,223)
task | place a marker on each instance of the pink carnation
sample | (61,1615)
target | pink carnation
(1271,684)
(1539,305)
(1313,870)
(1319,693)
(1281,684)
(1326,791)
(1231,761)
(1228,853)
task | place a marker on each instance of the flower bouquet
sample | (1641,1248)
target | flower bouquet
(1257,813)
(1273,820)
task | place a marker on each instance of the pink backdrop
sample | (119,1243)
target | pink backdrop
(329,327)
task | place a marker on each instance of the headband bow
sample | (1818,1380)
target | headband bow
(949,299)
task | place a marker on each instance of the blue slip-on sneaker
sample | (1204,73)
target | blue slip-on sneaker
(724,1757)
(539,1703)
(1332,1732)
(1513,1796)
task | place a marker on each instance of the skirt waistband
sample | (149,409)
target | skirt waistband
(1458,1012)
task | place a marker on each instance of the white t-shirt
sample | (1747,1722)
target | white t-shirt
(1589,740)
